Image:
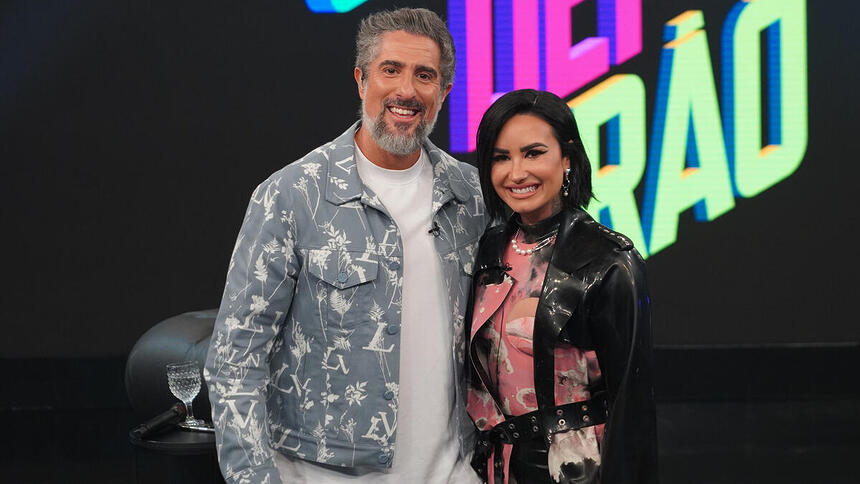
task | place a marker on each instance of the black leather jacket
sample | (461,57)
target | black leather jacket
(594,297)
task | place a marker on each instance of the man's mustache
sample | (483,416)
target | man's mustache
(405,103)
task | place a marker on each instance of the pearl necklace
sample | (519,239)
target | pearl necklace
(540,245)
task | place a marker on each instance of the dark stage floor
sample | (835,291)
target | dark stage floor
(784,425)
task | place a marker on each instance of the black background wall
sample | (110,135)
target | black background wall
(134,132)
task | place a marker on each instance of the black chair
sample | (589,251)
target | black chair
(172,455)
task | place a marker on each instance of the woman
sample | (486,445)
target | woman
(559,344)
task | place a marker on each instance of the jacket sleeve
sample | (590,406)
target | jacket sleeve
(257,296)
(620,315)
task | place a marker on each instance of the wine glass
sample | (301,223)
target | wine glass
(184,382)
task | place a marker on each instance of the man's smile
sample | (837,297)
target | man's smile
(402,111)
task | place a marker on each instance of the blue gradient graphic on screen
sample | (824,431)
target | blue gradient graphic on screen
(332,6)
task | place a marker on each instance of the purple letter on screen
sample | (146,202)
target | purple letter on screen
(529,46)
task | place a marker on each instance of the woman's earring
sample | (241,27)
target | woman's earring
(565,183)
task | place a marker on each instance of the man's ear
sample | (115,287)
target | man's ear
(445,94)
(359,82)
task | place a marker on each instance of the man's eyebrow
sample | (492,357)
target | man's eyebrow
(392,63)
(533,145)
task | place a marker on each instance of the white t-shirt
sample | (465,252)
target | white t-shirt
(427,447)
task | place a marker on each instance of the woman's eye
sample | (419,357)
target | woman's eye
(534,153)
(498,158)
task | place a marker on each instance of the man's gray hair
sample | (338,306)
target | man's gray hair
(418,21)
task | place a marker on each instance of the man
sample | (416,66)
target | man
(338,348)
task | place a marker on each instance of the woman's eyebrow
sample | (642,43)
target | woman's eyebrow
(533,145)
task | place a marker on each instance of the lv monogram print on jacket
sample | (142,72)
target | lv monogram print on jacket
(304,357)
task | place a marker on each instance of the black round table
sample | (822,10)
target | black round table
(176,456)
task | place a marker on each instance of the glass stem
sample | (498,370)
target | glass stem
(189,414)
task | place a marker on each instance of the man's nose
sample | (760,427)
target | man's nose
(406,87)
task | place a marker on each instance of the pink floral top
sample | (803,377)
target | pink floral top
(502,328)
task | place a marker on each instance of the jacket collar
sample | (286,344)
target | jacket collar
(488,300)
(497,238)
(343,183)
(573,254)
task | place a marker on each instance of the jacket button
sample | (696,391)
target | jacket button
(388,395)
(392,329)
(342,277)
(383,458)
(394,265)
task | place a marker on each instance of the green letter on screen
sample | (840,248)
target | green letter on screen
(687,164)
(756,167)
(618,102)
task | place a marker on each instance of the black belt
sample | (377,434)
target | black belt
(540,423)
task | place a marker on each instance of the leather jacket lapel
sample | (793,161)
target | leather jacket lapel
(560,298)
(488,299)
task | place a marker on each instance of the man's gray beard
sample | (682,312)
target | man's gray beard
(396,143)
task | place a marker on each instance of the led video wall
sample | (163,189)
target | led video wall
(694,151)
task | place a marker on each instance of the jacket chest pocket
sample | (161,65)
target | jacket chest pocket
(343,283)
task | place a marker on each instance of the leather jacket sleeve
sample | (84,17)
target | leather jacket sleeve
(619,316)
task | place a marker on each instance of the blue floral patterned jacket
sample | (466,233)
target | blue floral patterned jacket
(304,357)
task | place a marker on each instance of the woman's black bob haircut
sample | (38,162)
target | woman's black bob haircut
(557,114)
